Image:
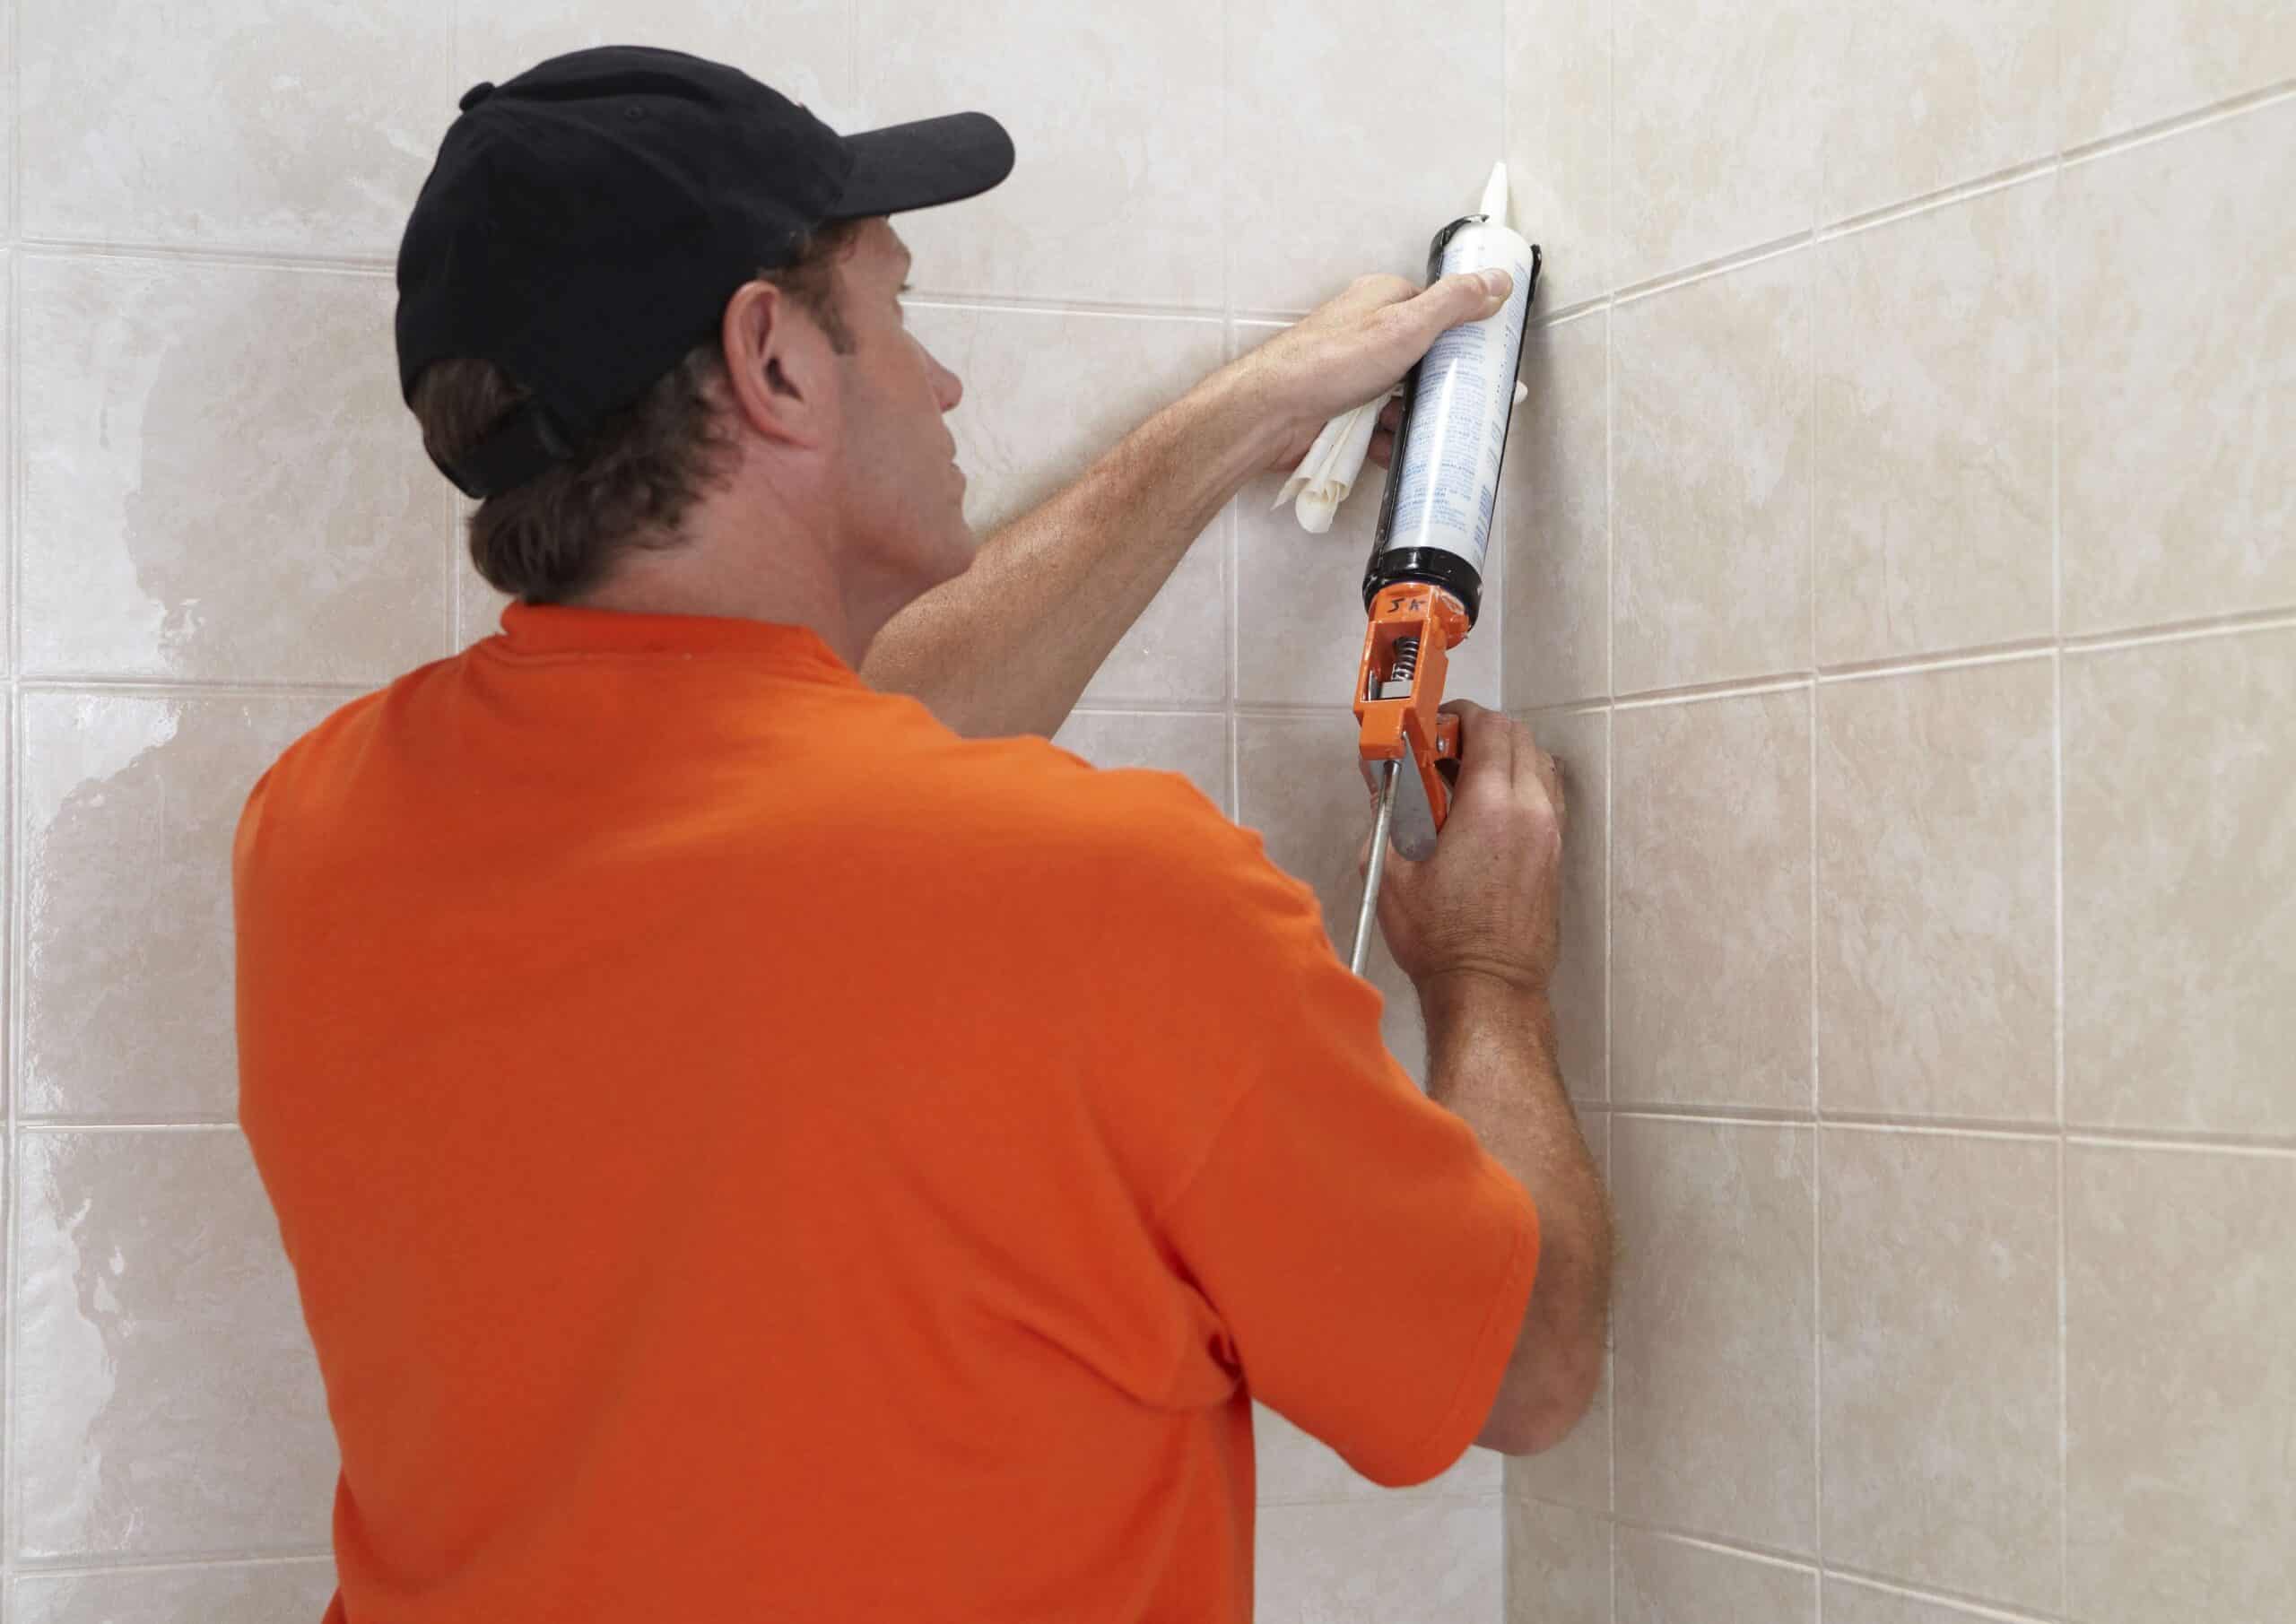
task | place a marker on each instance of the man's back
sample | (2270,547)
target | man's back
(749,1152)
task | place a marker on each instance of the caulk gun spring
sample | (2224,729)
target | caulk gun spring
(1406,660)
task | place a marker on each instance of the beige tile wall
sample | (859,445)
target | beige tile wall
(221,525)
(1921,380)
(1908,591)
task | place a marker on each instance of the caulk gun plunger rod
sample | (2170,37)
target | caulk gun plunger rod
(1367,921)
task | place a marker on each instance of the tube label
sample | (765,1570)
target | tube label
(1455,413)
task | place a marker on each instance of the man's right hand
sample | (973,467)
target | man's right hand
(1487,902)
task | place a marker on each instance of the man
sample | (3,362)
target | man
(757,1144)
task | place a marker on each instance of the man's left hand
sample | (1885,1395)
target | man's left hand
(1355,348)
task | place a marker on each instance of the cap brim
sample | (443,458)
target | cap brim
(917,165)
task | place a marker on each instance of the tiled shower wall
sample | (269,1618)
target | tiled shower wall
(1882,1314)
(1902,560)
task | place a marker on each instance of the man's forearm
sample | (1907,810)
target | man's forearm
(1007,646)
(1491,1061)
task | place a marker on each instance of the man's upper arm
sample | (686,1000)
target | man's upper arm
(1370,1261)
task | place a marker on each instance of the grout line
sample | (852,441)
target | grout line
(11,1173)
(2269,1146)
(1773,1557)
(2276,618)
(1947,1127)
(66,248)
(1983,1610)
(1817,1150)
(1731,1114)
(12,975)
(1959,659)
(1566,707)
(2146,134)
(104,1125)
(2063,1391)
(78,1568)
(1727,689)
(1125,707)
(1562,316)
(2056,853)
(178,688)
(1770,1555)
(1929,202)
(1776,247)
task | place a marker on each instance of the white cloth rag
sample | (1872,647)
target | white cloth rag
(1327,472)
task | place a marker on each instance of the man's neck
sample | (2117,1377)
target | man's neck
(697,578)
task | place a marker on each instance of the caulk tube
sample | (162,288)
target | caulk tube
(1435,520)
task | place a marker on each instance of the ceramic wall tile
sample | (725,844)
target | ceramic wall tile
(1300,597)
(1714,1380)
(228,1592)
(1667,1581)
(1709,917)
(1579,742)
(1046,395)
(1715,123)
(1926,97)
(1558,119)
(240,124)
(197,504)
(1554,516)
(2179,492)
(1934,429)
(804,48)
(2181,884)
(1114,114)
(2126,63)
(1938,1273)
(1711,471)
(2180,1308)
(1299,785)
(1415,1560)
(166,1400)
(1335,168)
(129,802)
(1936,945)
(1195,746)
(1558,1564)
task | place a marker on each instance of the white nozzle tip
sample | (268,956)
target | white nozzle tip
(1494,195)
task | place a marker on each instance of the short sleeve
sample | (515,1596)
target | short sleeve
(1370,1261)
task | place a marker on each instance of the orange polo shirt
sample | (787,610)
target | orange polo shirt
(747,1152)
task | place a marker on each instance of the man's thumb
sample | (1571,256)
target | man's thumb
(1467,296)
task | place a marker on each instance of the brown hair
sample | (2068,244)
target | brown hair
(629,486)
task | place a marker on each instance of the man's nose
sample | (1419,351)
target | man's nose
(948,388)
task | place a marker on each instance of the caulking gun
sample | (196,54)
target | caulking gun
(1423,585)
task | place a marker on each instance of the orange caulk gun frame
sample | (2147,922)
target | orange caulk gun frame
(1402,735)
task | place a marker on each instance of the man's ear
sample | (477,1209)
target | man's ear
(778,366)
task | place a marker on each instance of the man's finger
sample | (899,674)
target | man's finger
(1549,773)
(1486,745)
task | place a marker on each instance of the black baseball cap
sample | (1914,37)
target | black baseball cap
(587,221)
